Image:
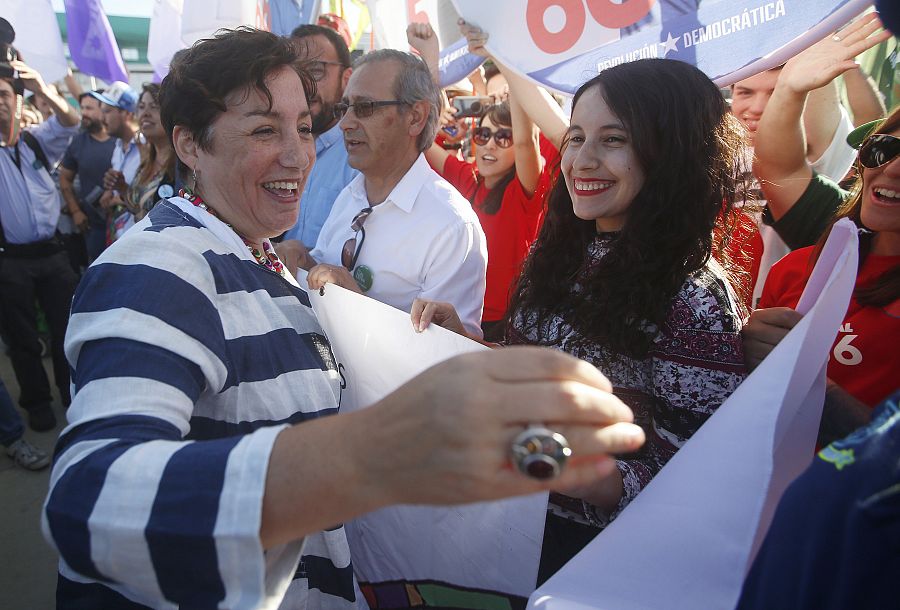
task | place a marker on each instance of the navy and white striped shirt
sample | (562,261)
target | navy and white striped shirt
(188,359)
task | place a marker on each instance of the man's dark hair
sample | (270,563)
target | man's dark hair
(308,30)
(88,94)
(201,78)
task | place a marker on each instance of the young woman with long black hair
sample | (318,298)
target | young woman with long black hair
(623,272)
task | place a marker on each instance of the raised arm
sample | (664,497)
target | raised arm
(65,114)
(780,147)
(529,163)
(536,101)
(422,38)
(75,89)
(866,104)
(821,118)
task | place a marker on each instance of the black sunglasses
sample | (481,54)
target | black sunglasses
(503,136)
(362,109)
(878,150)
(350,251)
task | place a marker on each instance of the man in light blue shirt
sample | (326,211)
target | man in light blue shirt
(118,105)
(330,66)
(33,262)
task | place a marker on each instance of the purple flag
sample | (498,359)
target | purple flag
(91,42)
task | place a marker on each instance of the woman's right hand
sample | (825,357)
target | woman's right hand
(452,426)
(424,312)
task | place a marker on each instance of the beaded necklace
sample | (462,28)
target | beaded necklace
(267,258)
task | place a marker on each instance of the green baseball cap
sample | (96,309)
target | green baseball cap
(856,137)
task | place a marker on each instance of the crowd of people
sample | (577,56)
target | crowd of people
(629,261)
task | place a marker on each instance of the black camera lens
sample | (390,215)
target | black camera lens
(476,107)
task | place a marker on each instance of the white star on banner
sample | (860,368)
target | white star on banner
(671,44)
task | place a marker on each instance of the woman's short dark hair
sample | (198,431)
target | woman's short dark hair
(689,149)
(201,78)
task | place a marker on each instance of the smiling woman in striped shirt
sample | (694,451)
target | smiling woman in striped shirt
(199,469)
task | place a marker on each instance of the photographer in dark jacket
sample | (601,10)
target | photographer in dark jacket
(33,264)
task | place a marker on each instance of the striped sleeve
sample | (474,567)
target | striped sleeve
(133,505)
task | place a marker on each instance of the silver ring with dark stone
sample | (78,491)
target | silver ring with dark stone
(540,453)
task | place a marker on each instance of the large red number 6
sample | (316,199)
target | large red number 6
(614,16)
(555,42)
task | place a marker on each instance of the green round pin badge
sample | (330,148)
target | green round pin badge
(363,276)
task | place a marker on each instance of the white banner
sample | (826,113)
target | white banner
(561,44)
(37,36)
(201,18)
(689,538)
(477,555)
(162,45)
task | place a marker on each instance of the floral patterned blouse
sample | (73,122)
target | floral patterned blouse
(695,362)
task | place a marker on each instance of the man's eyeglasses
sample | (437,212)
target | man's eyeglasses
(318,67)
(878,150)
(503,136)
(351,249)
(362,109)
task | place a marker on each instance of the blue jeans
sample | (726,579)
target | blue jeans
(11,428)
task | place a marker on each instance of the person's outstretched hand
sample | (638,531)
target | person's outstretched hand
(827,59)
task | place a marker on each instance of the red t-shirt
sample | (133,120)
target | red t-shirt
(745,250)
(509,232)
(864,360)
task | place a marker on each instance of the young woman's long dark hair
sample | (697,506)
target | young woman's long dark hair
(500,116)
(884,289)
(689,148)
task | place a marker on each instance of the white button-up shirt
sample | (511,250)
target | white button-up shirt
(424,241)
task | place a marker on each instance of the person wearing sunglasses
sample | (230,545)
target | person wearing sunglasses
(398,231)
(864,363)
(506,186)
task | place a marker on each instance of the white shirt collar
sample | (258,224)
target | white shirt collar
(405,193)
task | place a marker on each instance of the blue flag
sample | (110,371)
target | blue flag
(91,42)
(456,63)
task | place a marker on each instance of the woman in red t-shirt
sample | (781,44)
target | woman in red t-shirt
(506,186)
(864,364)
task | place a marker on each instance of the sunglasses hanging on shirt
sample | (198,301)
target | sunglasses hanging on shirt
(350,251)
